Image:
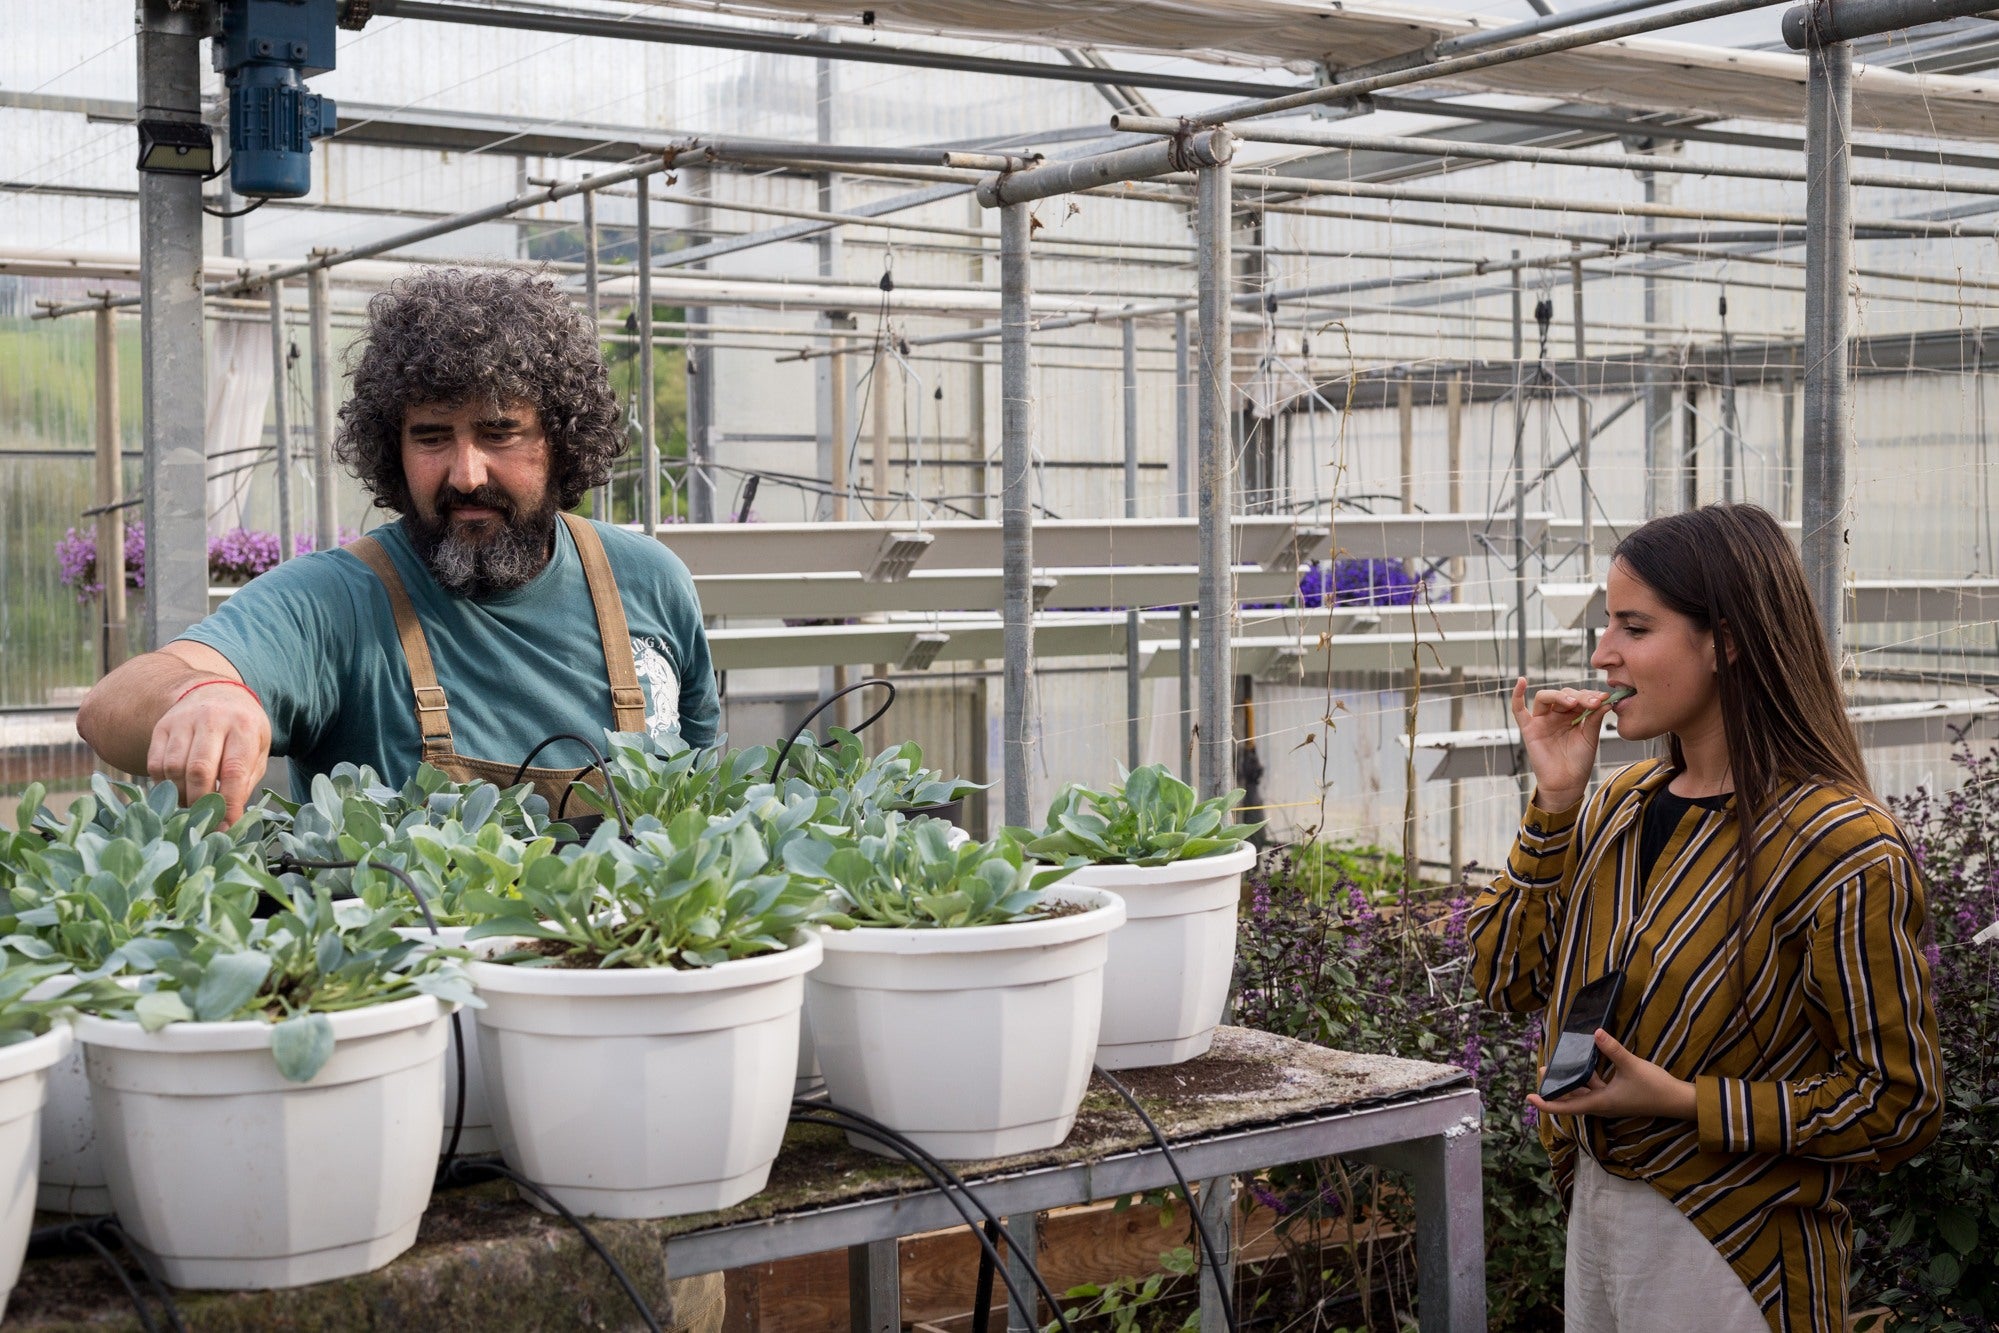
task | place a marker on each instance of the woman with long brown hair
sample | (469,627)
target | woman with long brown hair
(1773,1030)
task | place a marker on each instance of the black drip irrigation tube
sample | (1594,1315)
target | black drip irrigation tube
(92,1234)
(784,750)
(946,1181)
(982,1310)
(1208,1246)
(597,761)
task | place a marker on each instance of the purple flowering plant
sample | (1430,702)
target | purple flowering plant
(236,556)
(1328,953)
(1927,1230)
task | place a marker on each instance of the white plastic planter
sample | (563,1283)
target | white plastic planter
(24,1076)
(643,1092)
(476,1136)
(71,1179)
(975,1042)
(807,1080)
(226,1175)
(1168,975)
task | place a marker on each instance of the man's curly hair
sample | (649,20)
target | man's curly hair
(445,335)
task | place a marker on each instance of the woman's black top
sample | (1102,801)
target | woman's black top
(1662,815)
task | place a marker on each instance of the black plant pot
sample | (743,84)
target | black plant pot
(951,812)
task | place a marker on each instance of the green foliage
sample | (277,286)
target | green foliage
(906,874)
(661,778)
(895,779)
(1151,818)
(451,839)
(1321,869)
(1927,1230)
(114,887)
(23,1019)
(1132,1304)
(692,894)
(313,959)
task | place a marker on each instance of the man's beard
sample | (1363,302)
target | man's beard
(493,556)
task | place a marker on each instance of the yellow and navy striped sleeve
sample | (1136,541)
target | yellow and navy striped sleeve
(1514,927)
(1865,981)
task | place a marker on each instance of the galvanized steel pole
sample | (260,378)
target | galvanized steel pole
(1188,152)
(648,405)
(319,306)
(1828,257)
(1215,437)
(1131,621)
(1519,480)
(591,304)
(1016,518)
(281,419)
(110,489)
(176,384)
(1347,89)
(1183,477)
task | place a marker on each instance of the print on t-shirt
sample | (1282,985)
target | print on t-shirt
(655,667)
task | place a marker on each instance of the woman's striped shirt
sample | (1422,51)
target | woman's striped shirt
(1837,1065)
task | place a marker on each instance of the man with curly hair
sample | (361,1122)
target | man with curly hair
(482,621)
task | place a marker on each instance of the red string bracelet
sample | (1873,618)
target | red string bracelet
(219,680)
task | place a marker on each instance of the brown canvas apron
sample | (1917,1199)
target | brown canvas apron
(433,716)
(691,1305)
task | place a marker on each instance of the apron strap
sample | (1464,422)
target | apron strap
(628,700)
(433,718)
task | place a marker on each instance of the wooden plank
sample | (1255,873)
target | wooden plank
(1094,1243)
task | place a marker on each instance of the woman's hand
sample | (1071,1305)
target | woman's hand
(1634,1086)
(1561,753)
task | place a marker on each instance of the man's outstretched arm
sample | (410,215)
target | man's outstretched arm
(152,715)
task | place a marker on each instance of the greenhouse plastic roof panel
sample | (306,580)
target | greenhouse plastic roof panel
(1645,73)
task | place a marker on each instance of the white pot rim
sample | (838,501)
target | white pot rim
(191,1038)
(1105,914)
(800,958)
(36,1053)
(1117,874)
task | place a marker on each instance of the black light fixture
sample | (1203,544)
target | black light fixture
(176,147)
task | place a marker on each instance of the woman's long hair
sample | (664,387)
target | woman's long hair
(1730,569)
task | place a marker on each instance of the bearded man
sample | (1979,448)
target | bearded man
(482,621)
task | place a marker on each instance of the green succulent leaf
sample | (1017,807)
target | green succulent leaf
(302,1046)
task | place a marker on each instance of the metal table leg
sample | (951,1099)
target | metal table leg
(1217,1202)
(1022,1244)
(1443,1172)
(874,1287)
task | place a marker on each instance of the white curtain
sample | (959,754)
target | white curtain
(239,397)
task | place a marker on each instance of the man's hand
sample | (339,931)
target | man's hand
(217,738)
(1634,1087)
(154,715)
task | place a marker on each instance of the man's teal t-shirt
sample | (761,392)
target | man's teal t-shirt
(316,639)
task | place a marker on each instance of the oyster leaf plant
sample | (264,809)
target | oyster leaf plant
(451,838)
(693,892)
(661,778)
(24,1019)
(1151,818)
(894,779)
(116,886)
(315,958)
(905,874)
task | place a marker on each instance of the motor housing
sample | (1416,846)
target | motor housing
(266,50)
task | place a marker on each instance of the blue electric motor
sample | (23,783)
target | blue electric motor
(266,51)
